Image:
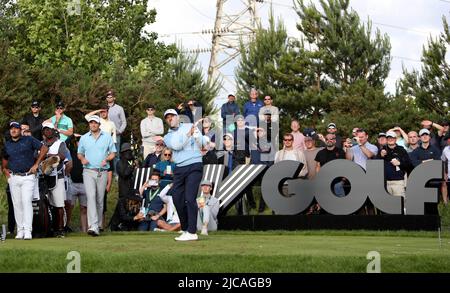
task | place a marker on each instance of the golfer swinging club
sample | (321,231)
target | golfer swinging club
(186,141)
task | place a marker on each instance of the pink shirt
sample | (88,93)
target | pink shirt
(299,141)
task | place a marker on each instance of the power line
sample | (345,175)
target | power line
(401,27)
(198,11)
(406,58)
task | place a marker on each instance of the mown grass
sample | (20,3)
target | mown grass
(232,252)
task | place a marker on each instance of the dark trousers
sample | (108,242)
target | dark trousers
(186,181)
(11,219)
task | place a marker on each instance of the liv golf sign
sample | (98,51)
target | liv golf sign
(368,184)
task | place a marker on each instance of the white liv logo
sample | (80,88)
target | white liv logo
(74,265)
(374,266)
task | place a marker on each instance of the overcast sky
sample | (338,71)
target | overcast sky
(408,23)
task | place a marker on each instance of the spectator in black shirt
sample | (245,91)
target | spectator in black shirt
(76,187)
(396,165)
(330,153)
(426,151)
(125,170)
(154,157)
(34,120)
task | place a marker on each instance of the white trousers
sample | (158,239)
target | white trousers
(22,189)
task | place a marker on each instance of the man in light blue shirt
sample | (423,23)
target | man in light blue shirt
(96,150)
(185,140)
(363,151)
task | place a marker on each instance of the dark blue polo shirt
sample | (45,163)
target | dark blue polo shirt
(420,154)
(20,153)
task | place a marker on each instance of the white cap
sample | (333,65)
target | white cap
(424,131)
(391,134)
(94,118)
(229,135)
(48,125)
(170,111)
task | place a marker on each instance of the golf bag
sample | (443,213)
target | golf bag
(42,214)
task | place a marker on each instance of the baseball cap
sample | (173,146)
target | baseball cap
(382,134)
(94,118)
(206,182)
(110,93)
(60,104)
(125,147)
(35,104)
(229,135)
(331,125)
(391,134)
(48,125)
(309,132)
(424,131)
(14,124)
(170,111)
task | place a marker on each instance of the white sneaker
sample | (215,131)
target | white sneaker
(204,231)
(187,237)
(20,234)
(27,235)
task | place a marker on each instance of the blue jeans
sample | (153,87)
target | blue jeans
(147,225)
(339,189)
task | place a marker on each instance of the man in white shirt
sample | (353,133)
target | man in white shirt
(106,125)
(151,127)
(289,153)
(268,107)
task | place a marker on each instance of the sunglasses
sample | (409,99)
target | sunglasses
(59,108)
(288,139)
(167,155)
(35,107)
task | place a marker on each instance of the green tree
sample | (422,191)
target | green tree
(183,80)
(94,36)
(430,87)
(307,76)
